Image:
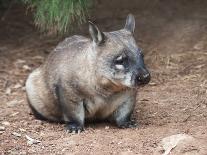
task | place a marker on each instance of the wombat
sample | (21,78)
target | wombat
(89,79)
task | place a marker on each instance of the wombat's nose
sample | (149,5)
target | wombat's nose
(143,77)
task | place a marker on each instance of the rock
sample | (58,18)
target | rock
(5,123)
(106,127)
(22,130)
(16,134)
(199,46)
(17,86)
(181,144)
(31,141)
(14,114)
(171,142)
(20,61)
(2,128)
(26,68)
(12,103)
(37,57)
(24,88)
(8,91)
(152,84)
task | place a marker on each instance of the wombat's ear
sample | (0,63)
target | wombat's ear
(130,23)
(97,36)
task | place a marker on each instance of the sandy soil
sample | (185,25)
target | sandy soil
(173,35)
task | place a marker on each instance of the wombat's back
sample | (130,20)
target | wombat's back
(68,49)
(65,59)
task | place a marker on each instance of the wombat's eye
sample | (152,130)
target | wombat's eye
(119,60)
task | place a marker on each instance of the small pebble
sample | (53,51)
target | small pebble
(106,127)
(12,103)
(14,114)
(5,123)
(2,128)
(17,86)
(16,134)
(38,57)
(23,88)
(31,141)
(20,61)
(22,130)
(8,91)
(152,84)
(26,68)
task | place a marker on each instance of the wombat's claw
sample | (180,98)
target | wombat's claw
(128,124)
(73,128)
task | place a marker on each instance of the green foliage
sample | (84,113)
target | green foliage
(58,16)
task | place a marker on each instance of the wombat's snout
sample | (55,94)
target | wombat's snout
(143,77)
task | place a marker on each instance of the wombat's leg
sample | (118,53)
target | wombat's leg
(122,116)
(73,111)
(74,117)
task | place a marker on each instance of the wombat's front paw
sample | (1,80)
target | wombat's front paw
(74,128)
(128,124)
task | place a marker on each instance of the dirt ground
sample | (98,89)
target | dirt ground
(173,35)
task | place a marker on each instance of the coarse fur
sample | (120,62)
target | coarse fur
(84,79)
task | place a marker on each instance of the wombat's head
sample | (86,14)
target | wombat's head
(119,61)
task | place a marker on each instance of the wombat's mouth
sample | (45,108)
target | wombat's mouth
(138,84)
(112,85)
(119,86)
(127,86)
